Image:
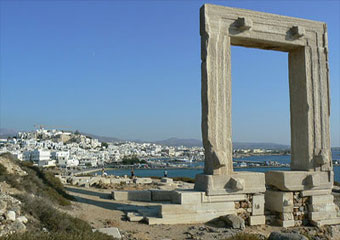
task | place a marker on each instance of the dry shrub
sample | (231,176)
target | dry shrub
(245,236)
(184,179)
(56,236)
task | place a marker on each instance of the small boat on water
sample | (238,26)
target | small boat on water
(187,160)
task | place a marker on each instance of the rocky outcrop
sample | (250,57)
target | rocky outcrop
(11,219)
(286,236)
(233,221)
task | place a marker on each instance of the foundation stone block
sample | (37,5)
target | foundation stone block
(308,193)
(324,222)
(258,205)
(257,220)
(299,180)
(286,223)
(316,216)
(279,201)
(252,182)
(187,197)
(321,199)
(162,195)
(224,198)
(144,196)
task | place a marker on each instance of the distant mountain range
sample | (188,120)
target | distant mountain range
(103,138)
(180,141)
(236,145)
(4,133)
(195,143)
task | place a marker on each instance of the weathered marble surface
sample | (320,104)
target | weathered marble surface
(306,43)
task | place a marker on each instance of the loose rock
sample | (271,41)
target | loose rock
(286,236)
(22,219)
(10,215)
(233,221)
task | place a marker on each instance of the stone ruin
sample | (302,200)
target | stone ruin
(287,198)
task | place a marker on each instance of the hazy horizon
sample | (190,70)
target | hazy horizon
(161,139)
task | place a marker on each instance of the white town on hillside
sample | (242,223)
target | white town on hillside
(68,149)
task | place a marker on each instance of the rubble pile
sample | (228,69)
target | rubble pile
(117,182)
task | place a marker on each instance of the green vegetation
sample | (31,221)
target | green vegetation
(132,160)
(59,225)
(5,176)
(183,179)
(155,177)
(104,144)
(38,181)
(56,236)
(42,183)
(3,170)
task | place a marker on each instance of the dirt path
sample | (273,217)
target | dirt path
(97,208)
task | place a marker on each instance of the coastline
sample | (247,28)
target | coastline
(81,172)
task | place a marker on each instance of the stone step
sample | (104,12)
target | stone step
(176,209)
(331,221)
(183,218)
(144,196)
(150,212)
(134,217)
(308,193)
(224,198)
(322,207)
(257,220)
(316,216)
(321,199)
(299,180)
(187,197)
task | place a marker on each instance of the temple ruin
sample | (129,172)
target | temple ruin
(287,198)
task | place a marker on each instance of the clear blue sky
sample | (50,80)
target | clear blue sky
(131,69)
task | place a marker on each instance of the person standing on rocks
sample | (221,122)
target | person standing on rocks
(132,173)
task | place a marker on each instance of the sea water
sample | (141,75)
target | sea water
(191,173)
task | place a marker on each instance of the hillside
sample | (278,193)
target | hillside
(191,142)
(5,132)
(31,205)
(179,142)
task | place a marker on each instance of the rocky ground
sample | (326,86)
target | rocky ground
(96,207)
(11,217)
